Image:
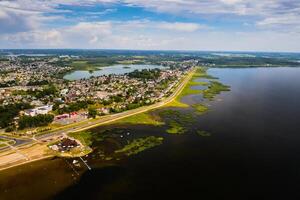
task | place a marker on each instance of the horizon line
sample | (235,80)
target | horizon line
(164,50)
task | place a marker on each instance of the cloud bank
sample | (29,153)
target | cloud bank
(264,25)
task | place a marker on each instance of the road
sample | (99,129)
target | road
(88,124)
(18,141)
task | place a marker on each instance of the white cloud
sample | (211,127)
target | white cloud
(24,24)
(177,26)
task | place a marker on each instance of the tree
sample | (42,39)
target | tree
(36,121)
(9,112)
(92,113)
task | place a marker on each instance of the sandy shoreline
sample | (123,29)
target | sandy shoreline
(23,155)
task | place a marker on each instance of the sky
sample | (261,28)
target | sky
(217,25)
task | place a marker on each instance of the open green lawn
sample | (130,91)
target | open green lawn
(142,118)
(84,137)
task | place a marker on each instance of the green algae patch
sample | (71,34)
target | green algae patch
(177,121)
(203,133)
(176,128)
(139,145)
(141,119)
(200,108)
(214,89)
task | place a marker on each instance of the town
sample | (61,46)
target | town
(34,94)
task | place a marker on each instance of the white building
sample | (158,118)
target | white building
(43,110)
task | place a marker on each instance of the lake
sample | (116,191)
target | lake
(252,151)
(115,69)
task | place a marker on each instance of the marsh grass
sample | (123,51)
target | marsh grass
(201,72)
(214,89)
(203,133)
(141,144)
(200,108)
(175,128)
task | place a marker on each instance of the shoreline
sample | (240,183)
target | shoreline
(16,153)
(26,162)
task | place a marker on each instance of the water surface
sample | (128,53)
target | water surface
(115,69)
(252,153)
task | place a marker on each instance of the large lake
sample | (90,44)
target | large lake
(253,151)
(115,69)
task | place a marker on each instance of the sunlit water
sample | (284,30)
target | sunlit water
(252,153)
(115,69)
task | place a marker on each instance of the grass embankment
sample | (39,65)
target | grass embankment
(142,119)
(139,145)
(5,142)
(84,138)
(188,90)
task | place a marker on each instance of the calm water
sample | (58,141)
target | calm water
(115,69)
(252,153)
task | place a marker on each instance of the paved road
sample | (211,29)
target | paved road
(88,124)
(18,142)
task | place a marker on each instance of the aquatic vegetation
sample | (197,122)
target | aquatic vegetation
(201,72)
(175,115)
(139,145)
(214,89)
(177,121)
(203,133)
(176,128)
(200,108)
(142,119)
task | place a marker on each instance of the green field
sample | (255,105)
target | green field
(87,66)
(142,118)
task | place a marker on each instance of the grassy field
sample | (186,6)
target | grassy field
(84,137)
(4,141)
(87,66)
(142,118)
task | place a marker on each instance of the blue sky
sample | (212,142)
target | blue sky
(232,25)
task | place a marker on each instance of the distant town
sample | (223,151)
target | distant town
(33,92)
